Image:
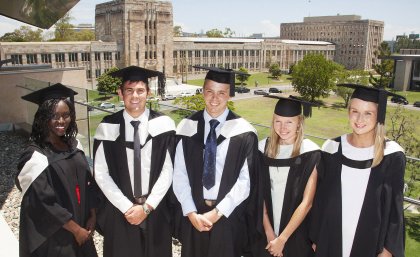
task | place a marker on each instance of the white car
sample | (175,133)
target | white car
(107,105)
(168,97)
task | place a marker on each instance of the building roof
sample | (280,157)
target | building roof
(217,40)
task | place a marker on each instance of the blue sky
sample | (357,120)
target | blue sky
(264,16)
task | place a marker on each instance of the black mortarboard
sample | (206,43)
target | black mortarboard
(134,73)
(372,94)
(221,75)
(52,92)
(292,106)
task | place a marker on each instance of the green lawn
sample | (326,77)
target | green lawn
(412,227)
(410,95)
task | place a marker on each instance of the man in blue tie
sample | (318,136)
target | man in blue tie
(213,170)
(133,153)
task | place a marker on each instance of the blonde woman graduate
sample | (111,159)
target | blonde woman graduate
(287,183)
(359,207)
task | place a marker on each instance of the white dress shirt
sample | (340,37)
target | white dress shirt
(107,184)
(181,184)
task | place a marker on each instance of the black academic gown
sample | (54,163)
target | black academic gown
(50,200)
(120,237)
(228,237)
(381,221)
(301,168)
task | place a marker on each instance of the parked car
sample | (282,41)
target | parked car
(184,94)
(153,98)
(168,97)
(260,92)
(107,105)
(416,104)
(274,90)
(242,90)
(399,100)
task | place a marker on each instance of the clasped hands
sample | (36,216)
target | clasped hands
(205,221)
(135,215)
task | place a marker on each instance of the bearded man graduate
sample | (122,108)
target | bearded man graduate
(213,169)
(133,167)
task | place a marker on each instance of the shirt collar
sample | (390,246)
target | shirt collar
(142,118)
(221,118)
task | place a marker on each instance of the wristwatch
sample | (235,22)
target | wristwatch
(146,209)
(219,214)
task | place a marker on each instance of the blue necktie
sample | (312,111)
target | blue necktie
(209,174)
(137,159)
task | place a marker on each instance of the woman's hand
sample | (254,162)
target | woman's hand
(91,222)
(81,235)
(276,246)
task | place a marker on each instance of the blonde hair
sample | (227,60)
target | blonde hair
(379,142)
(379,145)
(272,150)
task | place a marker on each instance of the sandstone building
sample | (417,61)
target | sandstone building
(356,40)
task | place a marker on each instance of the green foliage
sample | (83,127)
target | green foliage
(228,32)
(64,31)
(177,31)
(84,35)
(384,69)
(242,78)
(314,76)
(214,33)
(402,130)
(275,70)
(107,83)
(197,103)
(360,77)
(405,43)
(23,34)
(292,66)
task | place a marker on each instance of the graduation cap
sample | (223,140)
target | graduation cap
(292,106)
(135,73)
(56,91)
(221,75)
(372,94)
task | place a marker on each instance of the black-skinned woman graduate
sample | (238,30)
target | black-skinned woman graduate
(57,212)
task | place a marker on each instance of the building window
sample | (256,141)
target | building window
(97,56)
(175,54)
(150,54)
(205,53)
(16,59)
(88,74)
(197,53)
(154,54)
(31,59)
(107,56)
(234,53)
(59,57)
(212,53)
(72,57)
(117,56)
(154,24)
(154,39)
(145,40)
(163,54)
(97,73)
(145,55)
(227,52)
(150,40)
(137,55)
(182,54)
(85,57)
(190,54)
(46,58)
(220,53)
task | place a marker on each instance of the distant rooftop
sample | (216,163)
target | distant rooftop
(217,40)
(332,18)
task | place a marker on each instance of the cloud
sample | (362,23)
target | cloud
(269,29)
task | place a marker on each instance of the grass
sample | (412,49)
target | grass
(411,96)
(412,227)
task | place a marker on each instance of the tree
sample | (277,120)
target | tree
(84,35)
(23,34)
(242,78)
(64,31)
(214,33)
(107,83)
(177,31)
(384,69)
(404,42)
(292,66)
(402,130)
(196,103)
(314,76)
(360,77)
(275,70)
(228,32)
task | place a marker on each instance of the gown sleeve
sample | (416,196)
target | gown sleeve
(41,215)
(395,234)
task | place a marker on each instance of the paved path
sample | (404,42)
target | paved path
(8,242)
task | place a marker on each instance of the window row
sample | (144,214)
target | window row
(60,57)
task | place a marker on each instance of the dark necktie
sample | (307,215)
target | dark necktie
(137,159)
(209,173)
